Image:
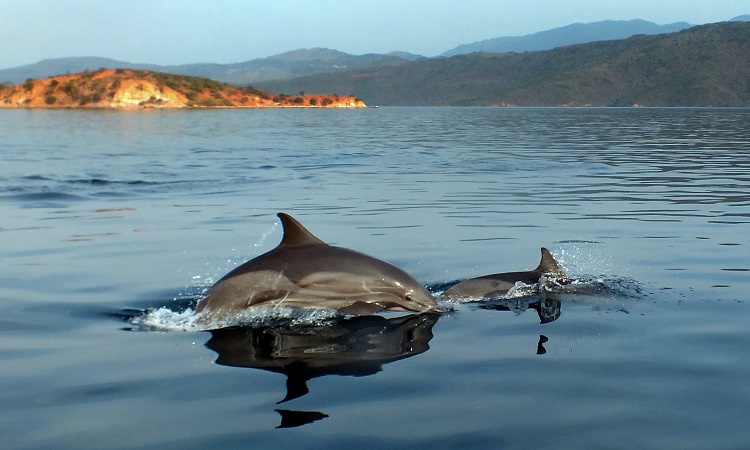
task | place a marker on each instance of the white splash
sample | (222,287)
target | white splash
(267,233)
(165,319)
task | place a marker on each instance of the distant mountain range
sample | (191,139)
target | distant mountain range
(287,65)
(304,62)
(706,65)
(577,33)
(695,66)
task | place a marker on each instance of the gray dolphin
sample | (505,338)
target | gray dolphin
(496,285)
(305,272)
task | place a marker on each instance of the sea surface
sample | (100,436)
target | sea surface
(113,223)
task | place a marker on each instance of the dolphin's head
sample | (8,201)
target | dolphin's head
(403,292)
(379,287)
(417,298)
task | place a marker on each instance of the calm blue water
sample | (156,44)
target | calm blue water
(106,215)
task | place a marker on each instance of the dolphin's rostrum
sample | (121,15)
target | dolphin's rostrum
(305,272)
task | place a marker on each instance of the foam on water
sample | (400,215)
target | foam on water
(166,319)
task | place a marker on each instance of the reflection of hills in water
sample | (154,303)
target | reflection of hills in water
(355,346)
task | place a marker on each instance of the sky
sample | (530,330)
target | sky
(225,31)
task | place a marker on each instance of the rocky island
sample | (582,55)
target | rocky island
(133,89)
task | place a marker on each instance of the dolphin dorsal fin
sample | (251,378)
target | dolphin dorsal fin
(295,233)
(549,264)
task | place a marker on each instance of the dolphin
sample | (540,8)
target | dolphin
(493,286)
(305,272)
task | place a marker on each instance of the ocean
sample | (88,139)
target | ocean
(113,223)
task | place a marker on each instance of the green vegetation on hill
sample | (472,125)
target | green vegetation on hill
(192,87)
(702,66)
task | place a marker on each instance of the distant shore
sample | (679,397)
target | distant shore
(142,89)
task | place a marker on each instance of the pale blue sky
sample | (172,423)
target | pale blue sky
(225,31)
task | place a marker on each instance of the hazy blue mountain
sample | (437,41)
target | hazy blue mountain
(296,63)
(62,66)
(743,18)
(406,55)
(706,65)
(309,62)
(577,33)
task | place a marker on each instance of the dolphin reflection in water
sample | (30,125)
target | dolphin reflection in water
(351,346)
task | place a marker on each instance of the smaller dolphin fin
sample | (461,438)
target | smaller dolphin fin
(549,265)
(295,233)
